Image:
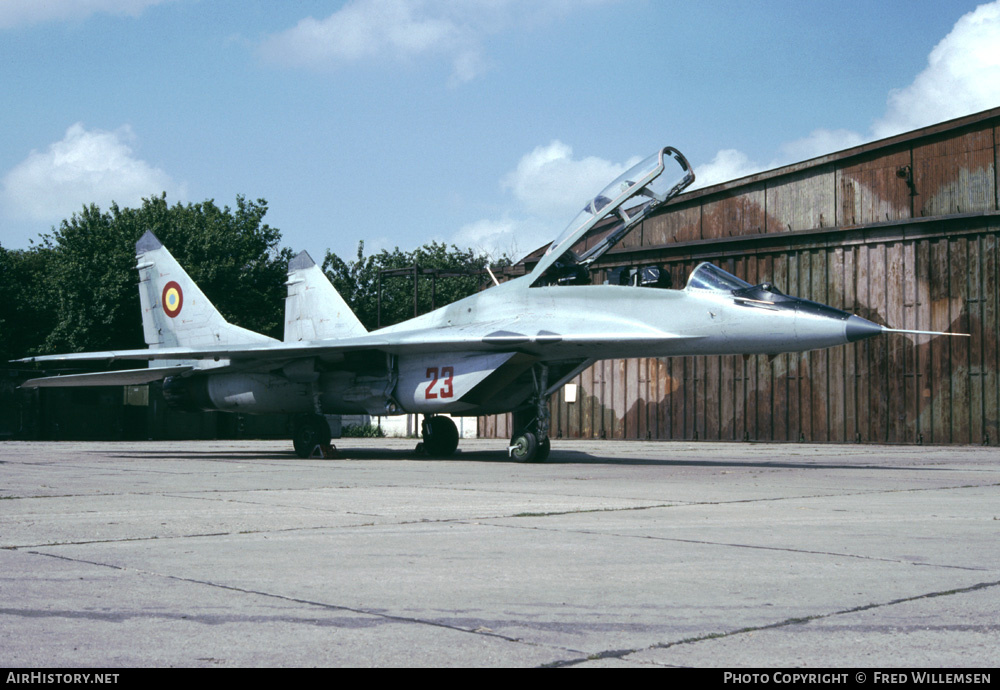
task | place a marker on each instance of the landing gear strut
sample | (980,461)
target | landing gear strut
(309,431)
(440,436)
(530,442)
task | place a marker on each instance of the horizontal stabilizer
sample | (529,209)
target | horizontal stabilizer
(123,377)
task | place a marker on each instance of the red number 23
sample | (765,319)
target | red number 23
(445,390)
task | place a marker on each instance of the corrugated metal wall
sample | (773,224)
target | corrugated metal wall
(844,230)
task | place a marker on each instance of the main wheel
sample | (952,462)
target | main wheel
(524,447)
(543,451)
(310,431)
(440,436)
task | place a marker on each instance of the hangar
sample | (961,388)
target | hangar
(902,231)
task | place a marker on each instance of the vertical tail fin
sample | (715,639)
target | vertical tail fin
(175,312)
(314,310)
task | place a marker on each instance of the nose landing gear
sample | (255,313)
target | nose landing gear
(530,442)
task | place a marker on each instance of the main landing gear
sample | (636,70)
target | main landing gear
(530,442)
(309,431)
(440,436)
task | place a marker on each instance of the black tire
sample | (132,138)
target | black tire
(440,437)
(524,447)
(310,431)
(543,451)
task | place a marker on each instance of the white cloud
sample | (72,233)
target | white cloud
(819,143)
(404,30)
(962,77)
(15,13)
(550,182)
(548,187)
(495,237)
(84,167)
(728,164)
(366,29)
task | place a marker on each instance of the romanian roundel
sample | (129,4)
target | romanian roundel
(173,299)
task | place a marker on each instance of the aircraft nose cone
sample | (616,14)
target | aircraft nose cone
(859,329)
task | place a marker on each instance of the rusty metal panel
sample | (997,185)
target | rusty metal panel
(910,373)
(734,214)
(664,390)
(713,391)
(779,366)
(877,348)
(820,358)
(990,340)
(959,347)
(802,201)
(835,356)
(862,350)
(630,377)
(940,359)
(895,297)
(956,173)
(872,191)
(618,399)
(850,381)
(594,399)
(923,350)
(698,393)
(679,224)
(973,323)
(585,397)
(652,398)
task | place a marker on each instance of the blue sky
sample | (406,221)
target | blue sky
(481,123)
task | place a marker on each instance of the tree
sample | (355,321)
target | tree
(26,313)
(87,284)
(357,280)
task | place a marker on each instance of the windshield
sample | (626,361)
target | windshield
(709,277)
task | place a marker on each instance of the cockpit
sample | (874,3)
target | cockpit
(707,276)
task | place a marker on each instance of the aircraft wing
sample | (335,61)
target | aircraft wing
(410,341)
(124,377)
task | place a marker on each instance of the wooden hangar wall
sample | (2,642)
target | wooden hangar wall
(903,232)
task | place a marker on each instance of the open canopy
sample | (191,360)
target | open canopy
(605,220)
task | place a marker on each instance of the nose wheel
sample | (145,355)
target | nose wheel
(525,447)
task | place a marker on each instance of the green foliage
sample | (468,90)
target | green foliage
(362,431)
(357,280)
(26,314)
(80,283)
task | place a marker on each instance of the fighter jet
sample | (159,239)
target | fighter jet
(507,348)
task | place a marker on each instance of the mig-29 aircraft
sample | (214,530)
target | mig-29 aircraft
(507,348)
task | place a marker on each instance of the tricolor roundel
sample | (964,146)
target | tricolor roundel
(173,299)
